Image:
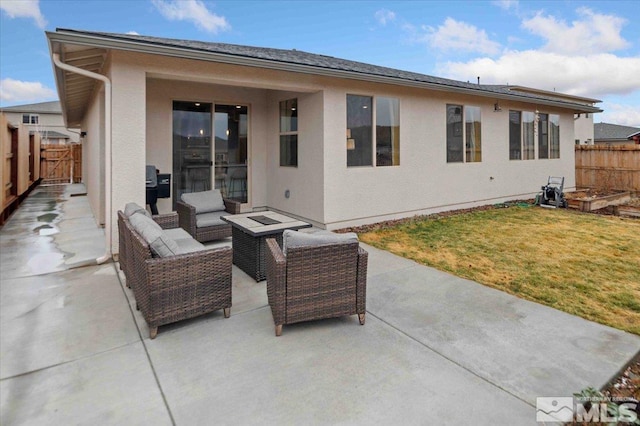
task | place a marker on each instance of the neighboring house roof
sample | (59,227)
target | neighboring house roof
(96,44)
(52,134)
(633,134)
(612,132)
(52,107)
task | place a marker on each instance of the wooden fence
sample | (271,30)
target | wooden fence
(59,162)
(608,167)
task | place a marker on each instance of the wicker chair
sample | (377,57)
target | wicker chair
(166,221)
(178,287)
(316,282)
(188,221)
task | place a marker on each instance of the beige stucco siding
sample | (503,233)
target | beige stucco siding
(424,182)
(93,154)
(322,188)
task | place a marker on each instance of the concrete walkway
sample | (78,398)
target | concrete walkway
(436,349)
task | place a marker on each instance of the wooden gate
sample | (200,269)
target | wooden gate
(58,163)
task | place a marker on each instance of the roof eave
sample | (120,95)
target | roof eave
(62,36)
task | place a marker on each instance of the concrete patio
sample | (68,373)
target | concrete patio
(435,348)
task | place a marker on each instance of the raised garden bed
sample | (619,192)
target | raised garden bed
(590,200)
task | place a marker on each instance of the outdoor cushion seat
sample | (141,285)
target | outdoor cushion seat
(199,214)
(194,281)
(320,276)
(204,220)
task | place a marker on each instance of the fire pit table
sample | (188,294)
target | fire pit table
(249,233)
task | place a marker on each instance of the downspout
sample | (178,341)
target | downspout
(107,149)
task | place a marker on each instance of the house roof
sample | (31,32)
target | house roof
(52,107)
(97,43)
(607,131)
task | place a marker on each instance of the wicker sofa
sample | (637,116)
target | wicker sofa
(170,287)
(199,214)
(315,276)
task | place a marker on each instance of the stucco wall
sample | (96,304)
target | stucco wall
(93,159)
(323,189)
(424,182)
(584,129)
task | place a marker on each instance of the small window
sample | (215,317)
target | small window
(359,130)
(464,143)
(528,131)
(387,132)
(289,133)
(25,119)
(515,135)
(34,119)
(554,135)
(543,136)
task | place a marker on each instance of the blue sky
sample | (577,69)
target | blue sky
(586,48)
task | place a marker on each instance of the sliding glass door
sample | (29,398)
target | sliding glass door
(231,134)
(199,164)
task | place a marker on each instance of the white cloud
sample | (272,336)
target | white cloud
(624,115)
(194,11)
(133,33)
(593,33)
(384,16)
(506,4)
(458,36)
(590,76)
(24,91)
(24,9)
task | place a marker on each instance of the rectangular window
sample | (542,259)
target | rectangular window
(454,134)
(289,133)
(554,135)
(515,135)
(543,136)
(528,143)
(473,134)
(467,138)
(387,132)
(30,118)
(359,131)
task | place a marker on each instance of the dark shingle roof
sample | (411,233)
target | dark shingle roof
(52,107)
(606,131)
(317,61)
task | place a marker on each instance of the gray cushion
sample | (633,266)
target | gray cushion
(292,239)
(205,201)
(189,245)
(210,219)
(132,208)
(177,234)
(153,234)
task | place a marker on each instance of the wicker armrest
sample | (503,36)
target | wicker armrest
(167,221)
(276,280)
(361,284)
(232,206)
(187,217)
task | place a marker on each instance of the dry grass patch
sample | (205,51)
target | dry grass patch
(584,264)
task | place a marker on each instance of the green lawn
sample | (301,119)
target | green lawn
(584,264)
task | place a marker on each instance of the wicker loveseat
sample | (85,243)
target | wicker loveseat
(187,281)
(315,276)
(200,213)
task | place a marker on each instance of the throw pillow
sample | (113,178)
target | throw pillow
(159,242)
(132,208)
